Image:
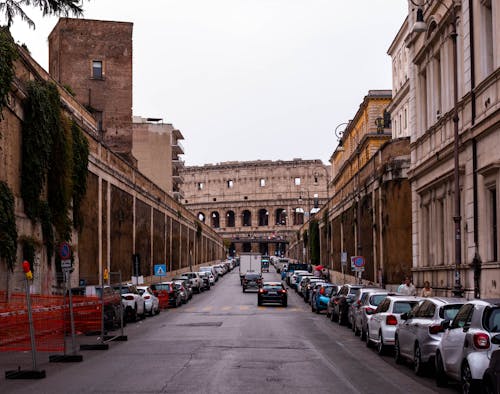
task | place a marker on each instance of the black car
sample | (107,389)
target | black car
(251,280)
(272,292)
(339,304)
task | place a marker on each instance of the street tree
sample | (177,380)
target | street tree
(12,8)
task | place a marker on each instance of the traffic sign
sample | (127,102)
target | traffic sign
(64,251)
(160,269)
(66,264)
(358,261)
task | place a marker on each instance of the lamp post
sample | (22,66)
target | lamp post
(420,26)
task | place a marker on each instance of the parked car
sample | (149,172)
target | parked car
(369,302)
(111,298)
(168,294)
(251,280)
(212,270)
(419,333)
(491,379)
(322,295)
(207,279)
(307,287)
(382,325)
(292,279)
(339,304)
(195,280)
(353,307)
(467,344)
(300,278)
(133,303)
(272,292)
(187,285)
(180,285)
(151,302)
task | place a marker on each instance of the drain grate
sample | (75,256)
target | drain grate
(202,324)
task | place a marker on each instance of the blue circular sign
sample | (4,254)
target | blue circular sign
(359,261)
(64,251)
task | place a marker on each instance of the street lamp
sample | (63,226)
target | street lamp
(339,132)
(418,27)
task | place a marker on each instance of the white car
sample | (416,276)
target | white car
(384,321)
(467,344)
(133,303)
(151,302)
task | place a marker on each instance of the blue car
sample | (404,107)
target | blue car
(321,297)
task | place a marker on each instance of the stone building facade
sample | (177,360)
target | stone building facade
(476,116)
(157,149)
(124,212)
(367,213)
(93,59)
(257,205)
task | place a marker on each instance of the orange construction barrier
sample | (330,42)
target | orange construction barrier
(50,319)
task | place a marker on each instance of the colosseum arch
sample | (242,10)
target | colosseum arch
(201,217)
(280,217)
(263,217)
(215,219)
(230,219)
(246,218)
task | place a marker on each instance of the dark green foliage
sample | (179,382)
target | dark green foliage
(314,241)
(12,8)
(47,229)
(80,171)
(60,177)
(42,116)
(8,53)
(8,229)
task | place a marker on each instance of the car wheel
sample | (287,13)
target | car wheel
(355,329)
(368,341)
(380,344)
(397,352)
(469,385)
(340,318)
(259,303)
(243,290)
(440,375)
(418,367)
(327,314)
(285,303)
(362,335)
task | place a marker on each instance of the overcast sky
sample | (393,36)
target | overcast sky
(248,79)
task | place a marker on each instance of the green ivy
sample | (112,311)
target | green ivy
(314,241)
(42,115)
(60,176)
(8,54)
(29,246)
(80,172)
(8,229)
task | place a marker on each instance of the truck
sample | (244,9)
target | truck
(250,262)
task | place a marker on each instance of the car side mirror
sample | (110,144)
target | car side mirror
(404,316)
(446,324)
(466,327)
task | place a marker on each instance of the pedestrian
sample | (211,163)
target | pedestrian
(427,290)
(408,288)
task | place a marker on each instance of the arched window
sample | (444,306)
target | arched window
(230,222)
(246,217)
(298,216)
(201,217)
(215,219)
(280,217)
(263,217)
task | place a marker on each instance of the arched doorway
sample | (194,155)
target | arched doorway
(230,222)
(263,217)
(280,217)
(246,218)
(215,219)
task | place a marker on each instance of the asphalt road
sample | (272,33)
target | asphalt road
(222,342)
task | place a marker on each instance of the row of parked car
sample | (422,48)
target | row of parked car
(452,338)
(127,302)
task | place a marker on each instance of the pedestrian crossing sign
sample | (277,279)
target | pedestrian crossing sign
(160,269)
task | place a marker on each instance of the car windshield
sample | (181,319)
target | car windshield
(162,286)
(353,291)
(141,291)
(403,306)
(492,320)
(377,299)
(448,312)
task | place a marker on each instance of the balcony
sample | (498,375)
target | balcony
(177,148)
(178,163)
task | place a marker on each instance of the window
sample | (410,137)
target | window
(98,118)
(230,183)
(200,185)
(297,181)
(97,69)
(486,38)
(463,316)
(262,182)
(406,119)
(494,225)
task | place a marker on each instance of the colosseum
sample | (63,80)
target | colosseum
(256,206)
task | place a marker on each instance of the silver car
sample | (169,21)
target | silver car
(419,333)
(354,307)
(382,325)
(370,299)
(465,349)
